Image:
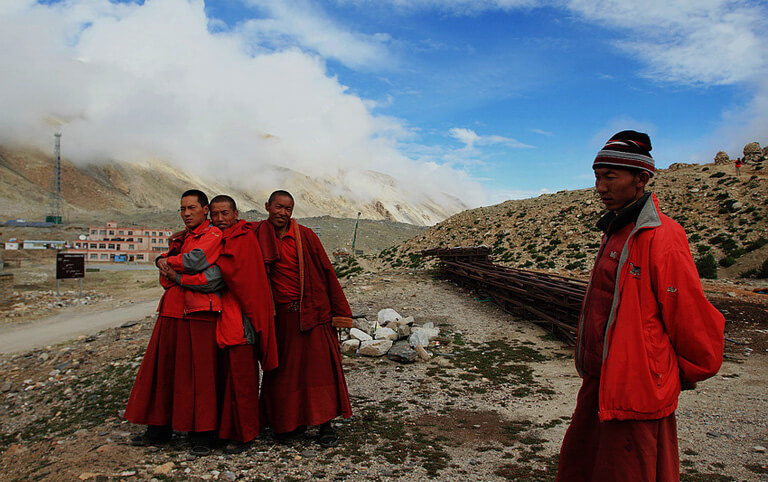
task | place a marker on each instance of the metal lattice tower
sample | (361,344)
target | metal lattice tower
(54,195)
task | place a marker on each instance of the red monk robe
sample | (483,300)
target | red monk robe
(176,384)
(245,332)
(308,387)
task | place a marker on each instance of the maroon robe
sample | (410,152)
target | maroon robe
(245,333)
(177,382)
(308,387)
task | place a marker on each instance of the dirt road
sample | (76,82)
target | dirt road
(69,325)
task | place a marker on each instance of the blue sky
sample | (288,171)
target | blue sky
(550,79)
(488,99)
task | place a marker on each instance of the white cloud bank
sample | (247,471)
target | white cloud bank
(131,82)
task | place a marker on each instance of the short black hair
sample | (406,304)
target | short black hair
(201,197)
(279,192)
(223,198)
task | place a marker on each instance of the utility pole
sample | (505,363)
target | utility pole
(354,236)
(54,195)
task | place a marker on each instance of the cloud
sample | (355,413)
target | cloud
(542,132)
(692,43)
(713,42)
(160,79)
(454,7)
(471,139)
(299,23)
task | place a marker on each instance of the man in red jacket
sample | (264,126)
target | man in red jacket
(175,388)
(308,387)
(646,330)
(245,332)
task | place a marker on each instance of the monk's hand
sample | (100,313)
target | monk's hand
(685,384)
(342,322)
(161,264)
(167,271)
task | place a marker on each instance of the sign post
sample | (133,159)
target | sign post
(69,266)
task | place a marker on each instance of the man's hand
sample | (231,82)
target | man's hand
(161,263)
(165,269)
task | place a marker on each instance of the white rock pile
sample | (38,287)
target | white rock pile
(397,337)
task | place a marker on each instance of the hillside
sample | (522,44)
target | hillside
(135,192)
(724,215)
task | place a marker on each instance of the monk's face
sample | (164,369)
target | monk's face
(280,211)
(619,187)
(223,216)
(192,213)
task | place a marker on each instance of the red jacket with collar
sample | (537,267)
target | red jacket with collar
(322,297)
(190,253)
(661,328)
(248,310)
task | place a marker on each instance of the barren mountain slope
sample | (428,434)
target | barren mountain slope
(724,215)
(109,190)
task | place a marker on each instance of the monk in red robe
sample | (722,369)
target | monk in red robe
(176,387)
(308,387)
(245,332)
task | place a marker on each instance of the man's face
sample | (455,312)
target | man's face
(280,211)
(192,213)
(223,216)
(618,187)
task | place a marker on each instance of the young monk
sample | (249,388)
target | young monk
(308,387)
(245,332)
(176,387)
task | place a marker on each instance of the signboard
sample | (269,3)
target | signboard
(121,258)
(70,265)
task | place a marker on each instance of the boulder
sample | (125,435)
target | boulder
(387,315)
(430,331)
(364,325)
(386,334)
(350,346)
(359,335)
(423,354)
(403,331)
(418,338)
(402,352)
(374,347)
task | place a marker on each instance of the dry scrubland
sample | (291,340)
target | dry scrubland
(725,216)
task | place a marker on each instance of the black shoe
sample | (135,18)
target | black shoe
(153,435)
(328,437)
(201,444)
(286,436)
(233,447)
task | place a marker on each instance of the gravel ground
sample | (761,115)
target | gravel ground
(492,404)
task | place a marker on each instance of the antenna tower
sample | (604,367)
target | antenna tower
(54,195)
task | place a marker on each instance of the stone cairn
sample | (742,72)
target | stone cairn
(397,337)
(752,153)
(722,158)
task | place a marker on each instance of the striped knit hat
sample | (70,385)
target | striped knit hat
(627,149)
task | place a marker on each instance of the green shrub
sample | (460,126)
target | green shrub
(707,267)
(756,244)
(718,174)
(727,261)
(763,271)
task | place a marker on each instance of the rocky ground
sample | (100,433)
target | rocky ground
(492,403)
